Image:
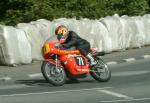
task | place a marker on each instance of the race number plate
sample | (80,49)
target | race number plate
(80,61)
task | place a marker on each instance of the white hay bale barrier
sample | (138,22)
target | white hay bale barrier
(23,43)
(14,46)
(35,39)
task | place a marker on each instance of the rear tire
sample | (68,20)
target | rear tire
(50,73)
(101,72)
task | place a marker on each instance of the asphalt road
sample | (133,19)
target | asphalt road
(129,84)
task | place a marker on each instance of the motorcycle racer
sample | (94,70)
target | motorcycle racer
(70,39)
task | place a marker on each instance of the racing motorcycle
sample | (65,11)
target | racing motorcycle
(60,65)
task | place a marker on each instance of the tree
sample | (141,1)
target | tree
(15,11)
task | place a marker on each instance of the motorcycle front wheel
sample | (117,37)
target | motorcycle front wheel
(100,71)
(53,74)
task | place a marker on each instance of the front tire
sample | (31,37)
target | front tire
(55,76)
(101,72)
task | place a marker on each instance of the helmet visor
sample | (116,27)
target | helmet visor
(59,36)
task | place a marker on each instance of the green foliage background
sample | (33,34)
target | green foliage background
(16,11)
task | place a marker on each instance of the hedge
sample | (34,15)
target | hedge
(16,11)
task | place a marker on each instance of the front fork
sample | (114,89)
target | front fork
(57,62)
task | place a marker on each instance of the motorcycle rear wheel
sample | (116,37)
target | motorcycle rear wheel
(101,72)
(55,76)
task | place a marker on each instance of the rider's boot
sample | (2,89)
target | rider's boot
(91,59)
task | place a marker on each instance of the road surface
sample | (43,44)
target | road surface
(129,83)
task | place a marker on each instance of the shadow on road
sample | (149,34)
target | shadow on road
(42,82)
(34,82)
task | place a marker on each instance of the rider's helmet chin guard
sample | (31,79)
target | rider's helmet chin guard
(62,40)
